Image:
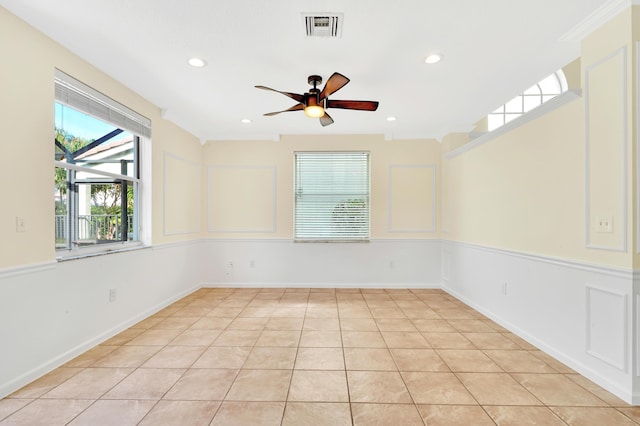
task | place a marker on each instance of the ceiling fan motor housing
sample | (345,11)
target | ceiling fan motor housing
(314,80)
(312,98)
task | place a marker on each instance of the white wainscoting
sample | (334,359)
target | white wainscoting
(279,263)
(577,312)
(50,315)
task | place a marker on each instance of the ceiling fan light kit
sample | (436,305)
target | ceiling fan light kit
(314,103)
(314,111)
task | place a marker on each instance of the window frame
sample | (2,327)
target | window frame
(86,100)
(504,116)
(298,237)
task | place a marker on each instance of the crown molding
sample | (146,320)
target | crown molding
(592,22)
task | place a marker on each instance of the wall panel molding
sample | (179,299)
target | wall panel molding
(589,220)
(608,344)
(637,122)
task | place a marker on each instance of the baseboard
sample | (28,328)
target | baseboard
(41,370)
(317,285)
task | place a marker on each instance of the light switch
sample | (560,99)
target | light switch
(21,224)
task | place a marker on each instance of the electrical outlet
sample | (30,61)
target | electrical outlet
(113,294)
(392,264)
(229,270)
(21,224)
(604,224)
(252,264)
(504,289)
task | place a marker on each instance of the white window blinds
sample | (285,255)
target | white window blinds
(332,196)
(78,95)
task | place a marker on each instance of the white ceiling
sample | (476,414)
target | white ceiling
(493,50)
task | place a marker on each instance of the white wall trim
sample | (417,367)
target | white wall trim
(591,290)
(389,285)
(27,269)
(603,14)
(291,240)
(274,181)
(539,111)
(183,243)
(623,246)
(637,121)
(635,340)
(434,192)
(46,367)
(611,271)
(164,195)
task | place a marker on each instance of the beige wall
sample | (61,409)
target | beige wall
(607,58)
(250,185)
(533,177)
(551,180)
(524,190)
(240,189)
(27,63)
(635,89)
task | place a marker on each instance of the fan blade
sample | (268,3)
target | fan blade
(296,107)
(359,105)
(294,96)
(336,82)
(326,119)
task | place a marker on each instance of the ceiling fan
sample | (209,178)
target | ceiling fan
(314,103)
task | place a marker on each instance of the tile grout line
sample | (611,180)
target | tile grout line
(286,399)
(183,373)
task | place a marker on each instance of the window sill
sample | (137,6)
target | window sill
(545,108)
(82,253)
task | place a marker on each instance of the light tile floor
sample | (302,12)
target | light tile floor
(315,357)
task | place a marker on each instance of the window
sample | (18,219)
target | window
(332,196)
(97,168)
(536,95)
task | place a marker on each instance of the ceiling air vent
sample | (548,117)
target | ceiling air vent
(323,24)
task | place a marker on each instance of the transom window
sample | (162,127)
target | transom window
(536,95)
(97,168)
(332,196)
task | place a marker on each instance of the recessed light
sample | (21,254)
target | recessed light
(434,58)
(197,62)
(245,121)
(391,118)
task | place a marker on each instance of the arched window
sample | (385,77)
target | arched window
(536,95)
